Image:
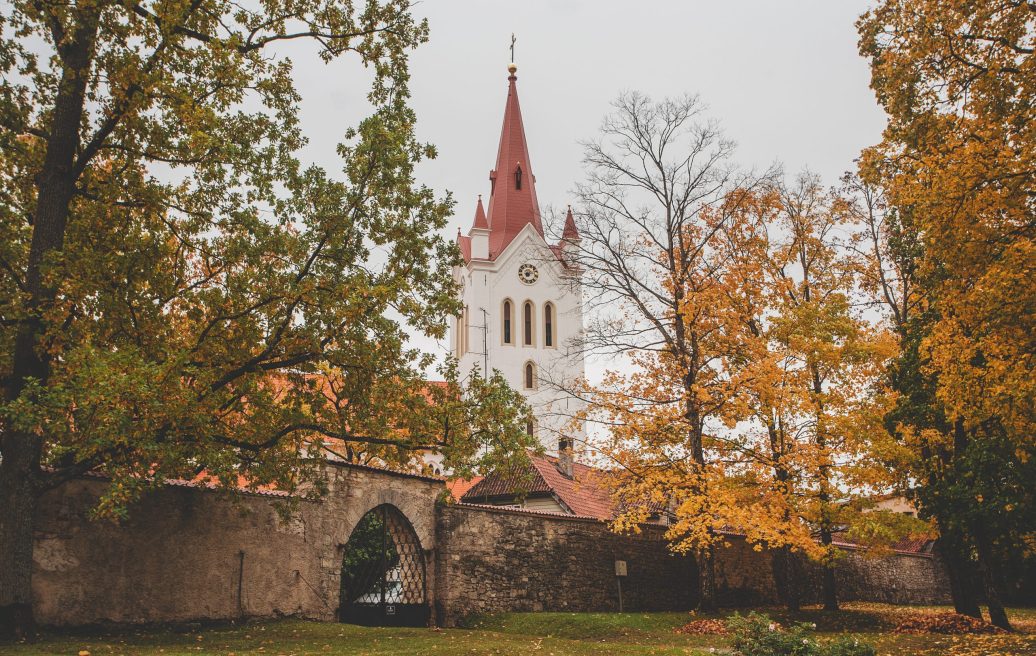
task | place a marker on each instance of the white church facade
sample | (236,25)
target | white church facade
(522,302)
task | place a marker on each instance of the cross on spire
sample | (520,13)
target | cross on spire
(513,40)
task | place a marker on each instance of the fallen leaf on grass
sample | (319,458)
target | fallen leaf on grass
(945,623)
(704,627)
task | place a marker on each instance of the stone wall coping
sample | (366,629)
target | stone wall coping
(383,470)
(525,511)
(846,546)
(202,486)
(276,494)
(898,552)
(546,514)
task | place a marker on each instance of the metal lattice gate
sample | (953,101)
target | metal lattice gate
(383,572)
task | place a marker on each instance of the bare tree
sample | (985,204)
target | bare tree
(660,191)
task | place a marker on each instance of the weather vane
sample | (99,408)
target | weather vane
(512,46)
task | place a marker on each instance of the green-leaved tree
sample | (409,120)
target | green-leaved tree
(178,293)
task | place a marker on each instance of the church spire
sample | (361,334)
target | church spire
(570,233)
(512,204)
(480,216)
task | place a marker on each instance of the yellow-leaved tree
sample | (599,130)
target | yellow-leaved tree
(957,163)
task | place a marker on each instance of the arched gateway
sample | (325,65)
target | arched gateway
(383,572)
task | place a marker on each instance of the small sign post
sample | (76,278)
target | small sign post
(620,573)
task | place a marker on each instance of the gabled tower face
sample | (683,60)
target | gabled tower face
(522,303)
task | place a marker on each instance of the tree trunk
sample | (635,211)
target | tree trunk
(785,577)
(22,449)
(707,580)
(18,500)
(990,581)
(829,583)
(960,572)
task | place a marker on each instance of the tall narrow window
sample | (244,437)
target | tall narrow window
(548,324)
(530,375)
(460,333)
(507,322)
(529,428)
(527,321)
(467,329)
(518,177)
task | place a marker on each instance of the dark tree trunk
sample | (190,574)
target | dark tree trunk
(22,449)
(829,585)
(18,500)
(987,567)
(707,580)
(786,577)
(960,571)
(706,557)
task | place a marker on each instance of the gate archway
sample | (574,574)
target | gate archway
(383,572)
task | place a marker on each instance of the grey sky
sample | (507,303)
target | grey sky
(783,78)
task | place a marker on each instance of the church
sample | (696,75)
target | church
(522,302)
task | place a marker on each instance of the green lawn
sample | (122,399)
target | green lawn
(522,633)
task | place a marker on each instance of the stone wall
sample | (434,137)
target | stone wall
(744,577)
(900,578)
(194,554)
(494,560)
(189,553)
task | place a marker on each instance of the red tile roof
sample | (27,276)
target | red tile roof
(464,243)
(508,484)
(584,494)
(458,487)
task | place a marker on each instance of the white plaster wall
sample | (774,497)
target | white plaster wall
(543,504)
(485,286)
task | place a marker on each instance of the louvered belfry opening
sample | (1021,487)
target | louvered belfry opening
(383,572)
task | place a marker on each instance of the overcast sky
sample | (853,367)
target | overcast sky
(783,78)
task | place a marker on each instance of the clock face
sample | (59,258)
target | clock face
(528,274)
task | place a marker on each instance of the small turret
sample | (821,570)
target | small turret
(479,233)
(570,233)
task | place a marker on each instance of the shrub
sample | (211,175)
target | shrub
(758,635)
(847,646)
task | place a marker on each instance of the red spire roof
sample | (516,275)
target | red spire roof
(480,215)
(464,243)
(512,204)
(570,232)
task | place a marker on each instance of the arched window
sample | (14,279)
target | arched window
(530,376)
(507,322)
(548,325)
(518,177)
(529,427)
(527,323)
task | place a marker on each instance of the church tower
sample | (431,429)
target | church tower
(522,300)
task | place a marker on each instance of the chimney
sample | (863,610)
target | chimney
(565,460)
